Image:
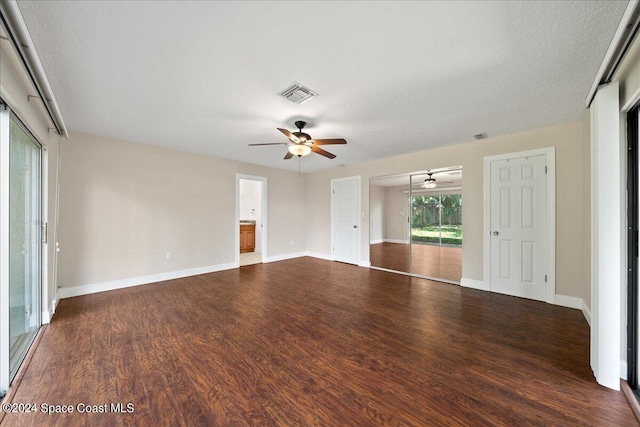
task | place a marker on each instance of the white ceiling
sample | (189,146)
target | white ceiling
(392,77)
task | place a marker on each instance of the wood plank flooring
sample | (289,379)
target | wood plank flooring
(313,342)
(443,262)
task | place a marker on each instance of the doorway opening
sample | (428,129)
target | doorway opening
(251,214)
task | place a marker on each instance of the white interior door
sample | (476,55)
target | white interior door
(345,219)
(518,227)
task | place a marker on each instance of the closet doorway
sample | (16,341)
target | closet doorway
(416,223)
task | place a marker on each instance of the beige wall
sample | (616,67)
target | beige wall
(572,190)
(396,225)
(377,216)
(124,205)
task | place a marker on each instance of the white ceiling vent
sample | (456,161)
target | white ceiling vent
(481,136)
(297,93)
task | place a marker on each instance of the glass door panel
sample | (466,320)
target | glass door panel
(425,228)
(24,242)
(451,220)
(416,223)
(436,225)
(389,246)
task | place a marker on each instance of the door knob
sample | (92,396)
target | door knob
(495,233)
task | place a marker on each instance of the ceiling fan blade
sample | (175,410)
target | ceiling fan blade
(289,135)
(288,155)
(270,143)
(322,152)
(329,141)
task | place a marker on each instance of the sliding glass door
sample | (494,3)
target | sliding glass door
(21,282)
(24,242)
(436,219)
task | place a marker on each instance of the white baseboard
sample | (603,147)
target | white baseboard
(284,257)
(474,284)
(377,241)
(319,255)
(568,301)
(586,312)
(68,292)
(47,315)
(143,280)
(561,300)
(361,263)
(574,302)
(401,241)
(623,369)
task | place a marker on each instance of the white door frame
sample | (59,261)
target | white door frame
(4,249)
(608,248)
(263,218)
(550,210)
(333,220)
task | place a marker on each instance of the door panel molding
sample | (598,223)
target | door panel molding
(550,216)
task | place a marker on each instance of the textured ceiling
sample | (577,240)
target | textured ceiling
(392,77)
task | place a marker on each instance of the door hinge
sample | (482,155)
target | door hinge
(545,278)
(545,169)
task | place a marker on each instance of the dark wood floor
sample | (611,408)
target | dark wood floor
(314,342)
(443,262)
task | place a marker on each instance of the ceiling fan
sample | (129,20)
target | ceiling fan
(300,143)
(430,182)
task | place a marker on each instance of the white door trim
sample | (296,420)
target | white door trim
(333,220)
(4,248)
(608,246)
(263,218)
(550,209)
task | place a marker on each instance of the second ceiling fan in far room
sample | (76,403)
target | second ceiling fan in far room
(300,143)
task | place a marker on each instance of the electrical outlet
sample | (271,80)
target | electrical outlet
(168,255)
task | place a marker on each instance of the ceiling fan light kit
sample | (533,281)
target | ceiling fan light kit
(299,150)
(300,143)
(429,182)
